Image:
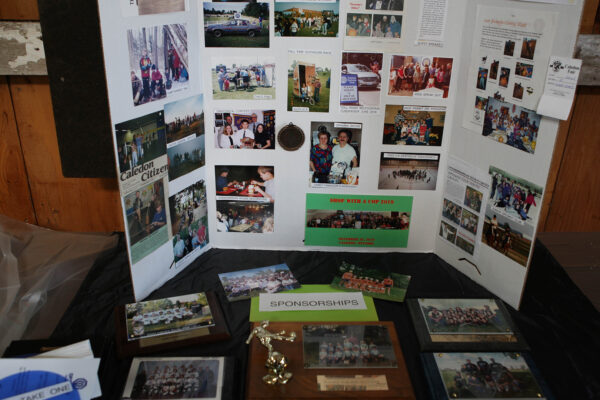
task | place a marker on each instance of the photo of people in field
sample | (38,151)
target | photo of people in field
(307,19)
(243,78)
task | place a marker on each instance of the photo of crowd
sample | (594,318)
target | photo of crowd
(251,129)
(245,183)
(413,125)
(335,160)
(236,24)
(367,69)
(419,75)
(452,211)
(473,198)
(309,81)
(463,316)
(184,118)
(357,219)
(307,19)
(186,157)
(448,232)
(243,78)
(507,237)
(347,346)
(388,26)
(408,171)
(158,61)
(486,376)
(242,285)
(513,125)
(189,221)
(140,140)
(244,216)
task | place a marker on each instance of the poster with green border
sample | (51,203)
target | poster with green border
(357,220)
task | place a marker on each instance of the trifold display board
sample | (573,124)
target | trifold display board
(418,117)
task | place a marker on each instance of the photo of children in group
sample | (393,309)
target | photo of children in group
(243,78)
(239,24)
(174,378)
(158,59)
(372,282)
(408,171)
(148,7)
(307,19)
(309,80)
(357,219)
(486,376)
(513,125)
(361,79)
(420,76)
(140,140)
(413,125)
(189,221)
(146,219)
(169,315)
(347,346)
(245,129)
(242,285)
(335,153)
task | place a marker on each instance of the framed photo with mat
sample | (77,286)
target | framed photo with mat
(464,325)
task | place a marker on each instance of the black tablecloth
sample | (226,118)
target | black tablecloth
(556,319)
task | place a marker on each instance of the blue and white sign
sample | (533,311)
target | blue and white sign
(349,89)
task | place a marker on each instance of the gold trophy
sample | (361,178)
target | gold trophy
(276,362)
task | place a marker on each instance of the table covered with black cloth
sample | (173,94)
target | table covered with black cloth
(559,323)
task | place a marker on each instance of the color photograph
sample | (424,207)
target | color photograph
(245,129)
(408,171)
(242,285)
(309,80)
(245,183)
(184,118)
(189,221)
(361,79)
(236,24)
(243,78)
(473,198)
(413,125)
(186,156)
(244,216)
(307,19)
(420,76)
(447,232)
(140,140)
(452,211)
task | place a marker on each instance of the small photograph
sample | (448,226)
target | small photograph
(184,118)
(482,76)
(473,199)
(168,315)
(335,153)
(361,79)
(518,91)
(244,216)
(356,219)
(452,211)
(309,81)
(189,221)
(408,171)
(387,26)
(524,70)
(140,140)
(506,236)
(494,70)
(465,244)
(392,5)
(487,375)
(372,282)
(448,232)
(509,48)
(528,48)
(146,219)
(347,346)
(510,124)
(236,24)
(245,183)
(248,129)
(420,76)
(243,78)
(242,285)
(504,77)
(191,378)
(359,24)
(307,19)
(469,221)
(149,7)
(158,59)
(481,103)
(186,156)
(414,125)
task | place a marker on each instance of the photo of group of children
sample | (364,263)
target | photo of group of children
(309,80)
(158,59)
(247,129)
(420,76)
(243,78)
(239,24)
(361,79)
(413,125)
(189,221)
(242,285)
(245,198)
(372,282)
(408,171)
(335,153)
(307,19)
(513,125)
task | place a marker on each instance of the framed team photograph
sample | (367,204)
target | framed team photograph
(347,346)
(464,324)
(242,285)
(484,376)
(175,378)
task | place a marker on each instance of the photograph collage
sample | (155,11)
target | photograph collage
(374,22)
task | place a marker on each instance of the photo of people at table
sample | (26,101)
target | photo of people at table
(335,153)
(189,221)
(357,219)
(420,75)
(140,140)
(250,129)
(513,125)
(245,216)
(245,183)
(413,125)
(408,171)
(184,118)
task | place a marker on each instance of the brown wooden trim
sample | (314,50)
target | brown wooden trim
(21,10)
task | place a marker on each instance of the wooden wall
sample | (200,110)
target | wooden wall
(33,189)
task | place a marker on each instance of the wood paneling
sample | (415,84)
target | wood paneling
(73,204)
(19,9)
(588,17)
(15,198)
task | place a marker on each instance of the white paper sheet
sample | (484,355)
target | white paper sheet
(311,301)
(561,83)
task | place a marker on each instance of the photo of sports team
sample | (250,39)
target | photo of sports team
(413,125)
(372,282)
(408,171)
(189,221)
(242,285)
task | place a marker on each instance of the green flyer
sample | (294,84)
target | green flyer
(357,220)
